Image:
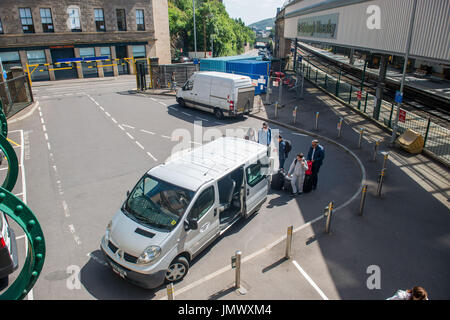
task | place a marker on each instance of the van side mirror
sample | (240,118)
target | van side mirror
(192,224)
(128,193)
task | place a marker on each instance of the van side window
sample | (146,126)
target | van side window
(204,202)
(188,85)
(254,174)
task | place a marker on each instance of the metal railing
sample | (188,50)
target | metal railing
(15,94)
(437,138)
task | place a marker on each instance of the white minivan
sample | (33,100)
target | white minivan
(179,207)
(223,94)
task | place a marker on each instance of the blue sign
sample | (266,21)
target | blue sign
(5,75)
(195,61)
(398,97)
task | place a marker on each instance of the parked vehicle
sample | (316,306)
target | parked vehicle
(178,208)
(221,93)
(8,251)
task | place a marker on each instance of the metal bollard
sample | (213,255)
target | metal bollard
(328,214)
(276,110)
(363,199)
(294,114)
(385,156)
(375,150)
(280,90)
(317,121)
(361,131)
(238,269)
(289,242)
(170,291)
(380,184)
(339,127)
(269,91)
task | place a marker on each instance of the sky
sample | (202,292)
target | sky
(251,11)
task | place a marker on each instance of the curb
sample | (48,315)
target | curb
(318,136)
(155,94)
(26,115)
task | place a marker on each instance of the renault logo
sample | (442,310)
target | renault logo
(119,254)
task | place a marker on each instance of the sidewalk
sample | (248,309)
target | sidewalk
(404,232)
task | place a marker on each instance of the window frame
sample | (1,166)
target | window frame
(99,23)
(124,20)
(75,17)
(201,214)
(140,26)
(260,178)
(45,26)
(22,18)
(2,31)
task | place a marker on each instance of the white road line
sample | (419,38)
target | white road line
(217,122)
(42,120)
(21,237)
(167,137)
(299,134)
(114,120)
(97,103)
(196,143)
(151,156)
(19,194)
(48,146)
(153,99)
(173,108)
(202,119)
(164,104)
(100,261)
(311,282)
(40,114)
(107,114)
(140,145)
(44,128)
(103,109)
(127,126)
(121,128)
(46,136)
(190,115)
(66,209)
(131,137)
(149,132)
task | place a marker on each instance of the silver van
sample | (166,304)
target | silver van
(178,208)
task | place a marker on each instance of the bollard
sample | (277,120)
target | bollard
(289,242)
(269,91)
(280,90)
(170,291)
(238,269)
(380,184)
(317,121)
(375,150)
(363,199)
(294,114)
(385,156)
(276,110)
(339,127)
(361,131)
(328,214)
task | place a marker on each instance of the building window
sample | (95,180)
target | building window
(121,21)
(138,51)
(105,52)
(74,19)
(140,19)
(27,20)
(46,18)
(99,19)
(1,27)
(10,59)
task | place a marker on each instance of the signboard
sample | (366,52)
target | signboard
(358,95)
(402,116)
(324,26)
(398,97)
(5,75)
(195,61)
(233,262)
(275,83)
(254,82)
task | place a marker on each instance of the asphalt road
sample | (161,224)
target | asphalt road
(88,143)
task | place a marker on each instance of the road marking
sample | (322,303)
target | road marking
(114,120)
(176,109)
(103,109)
(151,156)
(131,137)
(19,194)
(13,142)
(48,146)
(44,128)
(299,134)
(162,103)
(107,114)
(21,237)
(121,128)
(153,99)
(40,113)
(202,119)
(127,126)
(46,136)
(96,103)
(190,115)
(98,260)
(149,132)
(75,236)
(140,145)
(167,137)
(196,143)
(42,120)
(66,209)
(311,282)
(217,122)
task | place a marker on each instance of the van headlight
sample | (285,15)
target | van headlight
(149,254)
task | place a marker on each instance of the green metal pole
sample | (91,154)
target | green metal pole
(426,133)
(365,103)
(337,84)
(350,96)
(390,116)
(316,75)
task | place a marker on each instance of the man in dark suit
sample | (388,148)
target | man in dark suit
(316,154)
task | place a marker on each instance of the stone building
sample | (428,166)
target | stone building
(74,31)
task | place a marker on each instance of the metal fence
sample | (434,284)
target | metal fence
(15,94)
(162,74)
(437,138)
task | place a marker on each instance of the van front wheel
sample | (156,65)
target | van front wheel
(177,269)
(181,102)
(218,113)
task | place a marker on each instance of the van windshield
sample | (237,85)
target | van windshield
(156,203)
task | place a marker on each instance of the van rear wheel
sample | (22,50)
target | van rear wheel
(218,113)
(181,102)
(177,269)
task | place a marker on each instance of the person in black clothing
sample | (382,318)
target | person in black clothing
(316,154)
(281,151)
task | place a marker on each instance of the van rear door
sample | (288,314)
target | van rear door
(245,98)
(256,186)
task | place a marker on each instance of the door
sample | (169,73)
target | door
(200,93)
(256,186)
(122,64)
(64,70)
(204,210)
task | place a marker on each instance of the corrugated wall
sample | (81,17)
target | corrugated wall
(431,37)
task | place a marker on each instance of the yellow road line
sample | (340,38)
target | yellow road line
(12,142)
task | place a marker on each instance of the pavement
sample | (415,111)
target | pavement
(87,144)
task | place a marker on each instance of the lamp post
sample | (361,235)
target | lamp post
(195,31)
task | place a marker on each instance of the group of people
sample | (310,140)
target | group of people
(299,165)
